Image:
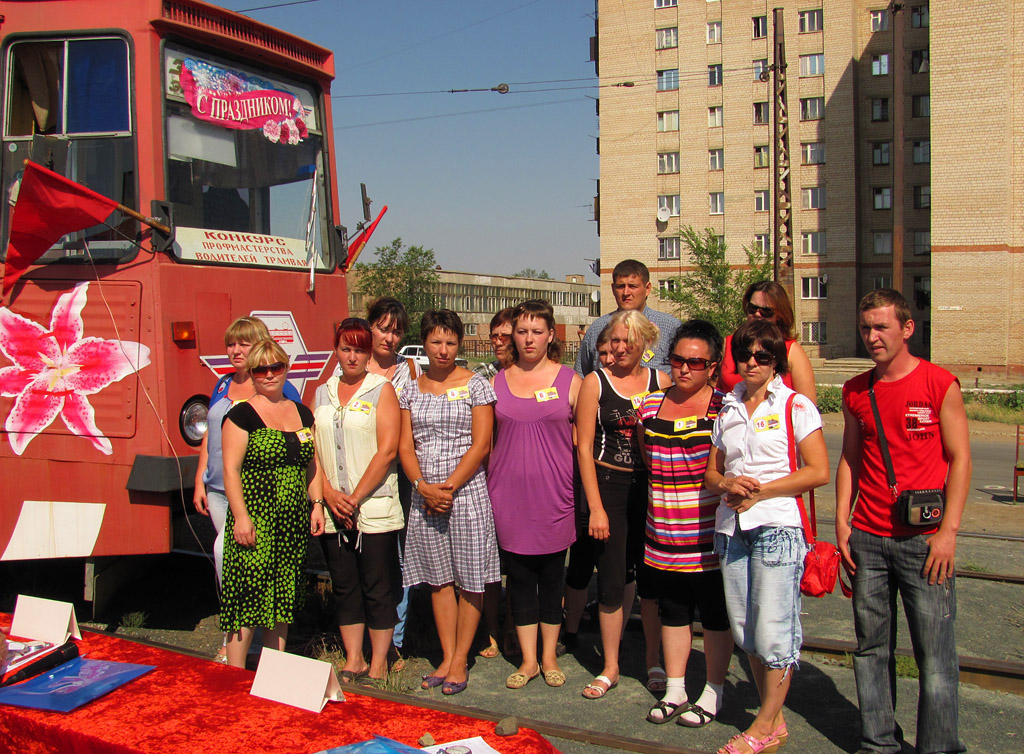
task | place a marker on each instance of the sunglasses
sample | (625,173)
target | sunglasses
(763,358)
(501,337)
(766,312)
(695,364)
(278,367)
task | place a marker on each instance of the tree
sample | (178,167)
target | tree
(714,290)
(529,272)
(402,272)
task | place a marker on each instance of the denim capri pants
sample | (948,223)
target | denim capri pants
(761,571)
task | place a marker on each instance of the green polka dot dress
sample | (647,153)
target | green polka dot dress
(264,585)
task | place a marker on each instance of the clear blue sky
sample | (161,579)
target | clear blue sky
(492,183)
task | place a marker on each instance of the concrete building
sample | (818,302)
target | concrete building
(476,298)
(686,139)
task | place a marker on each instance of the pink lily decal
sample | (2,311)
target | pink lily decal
(56,370)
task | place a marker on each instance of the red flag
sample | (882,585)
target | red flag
(49,206)
(356,244)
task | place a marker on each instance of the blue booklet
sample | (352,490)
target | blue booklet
(72,684)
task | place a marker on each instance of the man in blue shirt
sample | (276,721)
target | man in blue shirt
(631,285)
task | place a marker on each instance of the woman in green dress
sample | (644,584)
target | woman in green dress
(268,452)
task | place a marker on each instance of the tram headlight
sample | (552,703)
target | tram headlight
(192,420)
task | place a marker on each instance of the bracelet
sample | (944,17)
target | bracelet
(318,501)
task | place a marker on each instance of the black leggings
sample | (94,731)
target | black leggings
(624,496)
(363,581)
(535,587)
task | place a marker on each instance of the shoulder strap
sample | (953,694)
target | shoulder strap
(811,524)
(883,445)
(412,369)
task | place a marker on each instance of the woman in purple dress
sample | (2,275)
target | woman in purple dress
(530,484)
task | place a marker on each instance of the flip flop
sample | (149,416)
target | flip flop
(702,714)
(769,744)
(554,678)
(491,650)
(598,692)
(518,680)
(656,679)
(668,711)
(347,676)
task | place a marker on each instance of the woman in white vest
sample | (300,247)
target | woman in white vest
(357,430)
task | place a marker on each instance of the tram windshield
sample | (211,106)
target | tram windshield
(245,164)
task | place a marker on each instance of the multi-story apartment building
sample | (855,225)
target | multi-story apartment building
(686,138)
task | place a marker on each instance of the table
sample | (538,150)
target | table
(190,705)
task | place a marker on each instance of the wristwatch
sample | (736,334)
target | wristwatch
(319,501)
(416,484)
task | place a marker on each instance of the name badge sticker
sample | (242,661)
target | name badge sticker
(547,394)
(304,434)
(648,355)
(687,422)
(637,399)
(767,423)
(460,393)
(362,407)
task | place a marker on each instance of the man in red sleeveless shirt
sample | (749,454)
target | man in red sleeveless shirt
(922,413)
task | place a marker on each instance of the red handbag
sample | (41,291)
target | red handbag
(823,560)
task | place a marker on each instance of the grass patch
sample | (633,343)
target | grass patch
(906,666)
(988,413)
(969,565)
(134,620)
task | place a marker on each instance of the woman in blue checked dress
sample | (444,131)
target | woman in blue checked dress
(447,418)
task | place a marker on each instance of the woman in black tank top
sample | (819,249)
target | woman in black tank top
(614,480)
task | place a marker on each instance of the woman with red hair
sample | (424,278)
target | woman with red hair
(357,429)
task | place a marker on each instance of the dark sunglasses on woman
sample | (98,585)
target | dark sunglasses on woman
(695,364)
(763,358)
(278,367)
(765,312)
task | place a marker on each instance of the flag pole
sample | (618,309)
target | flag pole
(150,221)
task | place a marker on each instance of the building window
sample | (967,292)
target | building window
(715,74)
(669,202)
(922,106)
(471,329)
(760,68)
(666,38)
(811,20)
(922,152)
(668,80)
(668,120)
(717,203)
(812,65)
(922,242)
(716,159)
(813,153)
(762,158)
(761,116)
(919,61)
(714,117)
(762,200)
(813,332)
(882,197)
(665,3)
(880,153)
(760,27)
(813,197)
(720,240)
(922,197)
(668,248)
(814,242)
(880,65)
(762,243)
(813,287)
(714,32)
(667,286)
(668,162)
(881,242)
(922,292)
(880,109)
(919,16)
(812,108)
(879,20)
(881,281)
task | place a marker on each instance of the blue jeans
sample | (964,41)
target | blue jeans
(761,570)
(885,566)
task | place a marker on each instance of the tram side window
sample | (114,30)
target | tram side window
(68,108)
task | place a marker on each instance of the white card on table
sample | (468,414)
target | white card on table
(46,620)
(295,680)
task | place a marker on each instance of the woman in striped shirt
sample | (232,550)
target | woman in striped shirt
(679,553)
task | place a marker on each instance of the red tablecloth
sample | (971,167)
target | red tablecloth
(190,705)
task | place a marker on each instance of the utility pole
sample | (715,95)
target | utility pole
(898,145)
(782,265)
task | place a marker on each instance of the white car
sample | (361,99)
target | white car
(417,354)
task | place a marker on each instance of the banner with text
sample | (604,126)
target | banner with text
(249,249)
